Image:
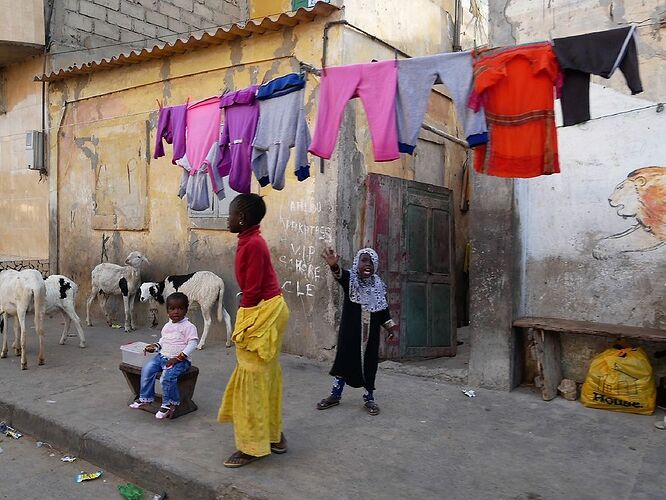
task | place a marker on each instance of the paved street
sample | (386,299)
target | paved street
(430,441)
(29,472)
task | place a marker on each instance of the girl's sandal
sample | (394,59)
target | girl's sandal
(239,459)
(164,413)
(281,447)
(138,405)
(372,408)
(328,403)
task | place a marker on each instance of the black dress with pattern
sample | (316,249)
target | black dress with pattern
(351,349)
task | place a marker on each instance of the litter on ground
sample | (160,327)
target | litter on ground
(88,476)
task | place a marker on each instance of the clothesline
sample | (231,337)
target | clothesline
(656,105)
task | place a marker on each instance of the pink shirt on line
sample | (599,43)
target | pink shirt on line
(176,336)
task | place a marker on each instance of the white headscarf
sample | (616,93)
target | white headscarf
(370,292)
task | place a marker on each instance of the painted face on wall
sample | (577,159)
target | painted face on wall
(365,266)
(626,198)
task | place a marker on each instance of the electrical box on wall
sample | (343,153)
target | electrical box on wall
(34,150)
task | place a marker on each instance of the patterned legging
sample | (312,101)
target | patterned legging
(339,385)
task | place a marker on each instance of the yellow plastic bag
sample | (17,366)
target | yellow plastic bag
(620,380)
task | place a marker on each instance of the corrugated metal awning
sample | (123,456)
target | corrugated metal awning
(221,35)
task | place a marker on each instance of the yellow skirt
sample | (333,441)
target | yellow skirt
(253,398)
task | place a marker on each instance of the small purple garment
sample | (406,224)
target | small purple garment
(241,113)
(171,126)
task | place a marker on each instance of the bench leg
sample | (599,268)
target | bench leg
(134,383)
(549,356)
(186,389)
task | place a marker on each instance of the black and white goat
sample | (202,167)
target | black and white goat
(20,292)
(203,287)
(61,297)
(112,279)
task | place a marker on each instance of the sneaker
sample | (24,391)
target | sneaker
(137,405)
(661,424)
(163,413)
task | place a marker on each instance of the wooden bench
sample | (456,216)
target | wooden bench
(186,384)
(546,333)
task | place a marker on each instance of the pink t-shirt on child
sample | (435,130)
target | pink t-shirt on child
(176,336)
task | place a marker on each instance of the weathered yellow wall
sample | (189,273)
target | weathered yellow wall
(107,138)
(103,135)
(418,27)
(23,21)
(23,199)
(261,8)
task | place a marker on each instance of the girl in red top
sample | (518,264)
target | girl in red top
(253,398)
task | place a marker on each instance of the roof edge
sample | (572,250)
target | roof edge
(241,29)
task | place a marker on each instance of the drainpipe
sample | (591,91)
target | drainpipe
(457,24)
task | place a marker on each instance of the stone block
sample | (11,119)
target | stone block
(192,20)
(119,19)
(169,10)
(111,4)
(145,28)
(132,10)
(184,4)
(106,30)
(72,5)
(156,18)
(178,27)
(203,11)
(78,22)
(90,9)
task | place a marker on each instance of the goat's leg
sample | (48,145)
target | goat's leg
(205,312)
(4,320)
(227,325)
(93,294)
(131,300)
(65,331)
(103,300)
(20,318)
(71,313)
(16,345)
(126,306)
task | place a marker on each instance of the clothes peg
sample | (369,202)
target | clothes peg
(159,104)
(395,53)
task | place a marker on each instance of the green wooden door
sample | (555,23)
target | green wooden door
(410,225)
(427,299)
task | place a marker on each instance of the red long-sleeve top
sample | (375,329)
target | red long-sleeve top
(254,271)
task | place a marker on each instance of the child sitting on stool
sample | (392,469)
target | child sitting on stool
(365,310)
(178,341)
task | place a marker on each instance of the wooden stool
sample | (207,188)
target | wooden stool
(186,384)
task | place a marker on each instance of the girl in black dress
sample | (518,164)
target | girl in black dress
(365,310)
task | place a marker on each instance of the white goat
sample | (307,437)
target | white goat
(202,287)
(112,279)
(61,297)
(20,292)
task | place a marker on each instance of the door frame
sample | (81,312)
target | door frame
(389,196)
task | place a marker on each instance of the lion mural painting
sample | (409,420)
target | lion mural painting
(642,196)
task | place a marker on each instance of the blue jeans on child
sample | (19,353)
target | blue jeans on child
(169,380)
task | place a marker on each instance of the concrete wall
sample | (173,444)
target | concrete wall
(23,21)
(23,198)
(554,246)
(108,27)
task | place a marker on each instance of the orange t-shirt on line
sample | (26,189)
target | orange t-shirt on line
(515,87)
